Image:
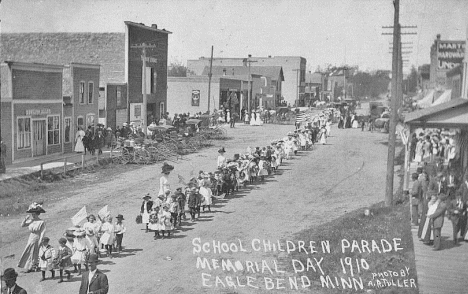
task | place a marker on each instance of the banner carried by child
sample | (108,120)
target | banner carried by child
(79,216)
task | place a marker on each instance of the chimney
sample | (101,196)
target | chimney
(232,71)
(154,26)
(250,55)
(438,36)
(224,71)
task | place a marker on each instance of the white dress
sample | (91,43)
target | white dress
(92,230)
(323,137)
(165,221)
(258,121)
(108,235)
(221,161)
(80,250)
(145,215)
(206,193)
(79,147)
(46,257)
(253,121)
(262,171)
(163,184)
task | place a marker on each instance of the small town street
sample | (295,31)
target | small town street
(315,187)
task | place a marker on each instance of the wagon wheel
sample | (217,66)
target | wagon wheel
(116,159)
(126,156)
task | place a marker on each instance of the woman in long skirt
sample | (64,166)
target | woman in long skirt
(30,258)
(323,136)
(427,233)
(79,146)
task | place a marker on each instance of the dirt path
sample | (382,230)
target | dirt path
(313,188)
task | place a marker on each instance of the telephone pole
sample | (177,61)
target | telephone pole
(297,86)
(144,115)
(209,79)
(249,93)
(394,113)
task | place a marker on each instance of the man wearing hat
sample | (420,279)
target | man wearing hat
(438,220)
(9,276)
(145,210)
(94,281)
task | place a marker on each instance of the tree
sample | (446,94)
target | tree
(177,69)
(412,80)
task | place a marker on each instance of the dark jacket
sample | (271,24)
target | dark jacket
(438,215)
(18,290)
(193,200)
(98,285)
(149,206)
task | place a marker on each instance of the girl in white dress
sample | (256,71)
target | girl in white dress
(323,136)
(80,250)
(253,118)
(108,235)
(258,120)
(205,191)
(165,225)
(262,168)
(92,229)
(79,147)
(154,221)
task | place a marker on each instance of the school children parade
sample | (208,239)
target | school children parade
(162,212)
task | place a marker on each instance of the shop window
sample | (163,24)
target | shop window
(82,93)
(67,129)
(90,92)
(80,121)
(154,76)
(53,130)
(119,95)
(24,133)
(90,120)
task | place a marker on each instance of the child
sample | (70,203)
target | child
(107,238)
(164,217)
(46,255)
(120,229)
(80,250)
(63,258)
(262,168)
(154,223)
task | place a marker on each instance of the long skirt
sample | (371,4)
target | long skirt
(206,193)
(145,217)
(427,231)
(30,256)
(79,147)
(107,238)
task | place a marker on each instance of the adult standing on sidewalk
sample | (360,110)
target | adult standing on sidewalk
(438,220)
(30,258)
(79,147)
(3,150)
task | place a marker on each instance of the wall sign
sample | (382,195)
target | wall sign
(43,111)
(450,54)
(195,97)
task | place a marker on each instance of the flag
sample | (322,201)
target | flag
(104,212)
(80,216)
(300,117)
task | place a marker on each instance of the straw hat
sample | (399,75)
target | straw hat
(35,208)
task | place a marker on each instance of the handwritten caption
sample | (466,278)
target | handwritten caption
(233,265)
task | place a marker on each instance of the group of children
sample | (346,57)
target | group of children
(78,243)
(165,214)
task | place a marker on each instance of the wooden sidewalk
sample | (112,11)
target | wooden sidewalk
(444,271)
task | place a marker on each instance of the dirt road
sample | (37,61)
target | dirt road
(313,188)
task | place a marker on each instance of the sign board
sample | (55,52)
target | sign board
(450,54)
(195,97)
(135,111)
(43,111)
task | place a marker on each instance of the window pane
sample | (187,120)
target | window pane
(27,124)
(20,125)
(50,123)
(50,137)
(56,137)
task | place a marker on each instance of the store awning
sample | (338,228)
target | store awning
(445,97)
(451,114)
(427,100)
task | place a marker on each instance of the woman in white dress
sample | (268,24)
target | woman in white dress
(222,161)
(79,147)
(164,180)
(29,260)
(323,136)
(108,235)
(328,127)
(258,120)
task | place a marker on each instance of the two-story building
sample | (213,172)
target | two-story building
(31,109)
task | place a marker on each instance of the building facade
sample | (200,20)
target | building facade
(445,55)
(294,69)
(32,109)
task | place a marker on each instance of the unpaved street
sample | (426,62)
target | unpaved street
(313,188)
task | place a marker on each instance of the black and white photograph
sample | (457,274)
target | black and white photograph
(233,146)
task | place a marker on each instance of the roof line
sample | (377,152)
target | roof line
(146,27)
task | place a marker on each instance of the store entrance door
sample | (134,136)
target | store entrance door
(39,137)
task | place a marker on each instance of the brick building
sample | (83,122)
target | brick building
(31,109)
(294,69)
(445,55)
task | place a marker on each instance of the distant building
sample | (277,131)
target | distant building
(445,55)
(121,64)
(314,85)
(454,81)
(31,105)
(294,69)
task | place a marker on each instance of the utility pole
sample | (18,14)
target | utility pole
(297,86)
(249,93)
(144,114)
(394,113)
(209,79)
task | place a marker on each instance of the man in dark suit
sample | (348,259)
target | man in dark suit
(94,281)
(438,220)
(457,214)
(9,276)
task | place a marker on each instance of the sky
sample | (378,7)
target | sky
(325,32)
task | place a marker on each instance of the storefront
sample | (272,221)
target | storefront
(34,93)
(441,139)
